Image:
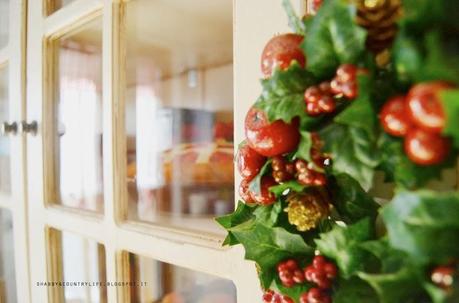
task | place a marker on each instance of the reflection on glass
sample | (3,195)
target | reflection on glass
(5,178)
(78,129)
(83,260)
(4,22)
(54,5)
(166,283)
(7,273)
(179,111)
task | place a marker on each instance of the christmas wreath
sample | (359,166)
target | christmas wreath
(361,89)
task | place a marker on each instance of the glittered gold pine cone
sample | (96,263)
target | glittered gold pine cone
(305,211)
(379,18)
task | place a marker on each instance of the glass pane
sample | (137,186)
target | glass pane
(7,273)
(54,5)
(179,111)
(78,129)
(165,283)
(5,178)
(4,22)
(83,260)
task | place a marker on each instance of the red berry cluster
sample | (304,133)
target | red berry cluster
(315,295)
(282,169)
(444,276)
(345,81)
(419,118)
(308,176)
(272,297)
(290,273)
(321,272)
(321,99)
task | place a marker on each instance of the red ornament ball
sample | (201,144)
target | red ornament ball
(265,197)
(280,51)
(249,162)
(244,191)
(425,148)
(270,139)
(394,117)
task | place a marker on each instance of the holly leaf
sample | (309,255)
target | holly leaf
(242,214)
(268,215)
(294,292)
(294,21)
(347,151)
(304,147)
(255,184)
(333,38)
(278,190)
(424,224)
(350,200)
(450,101)
(285,108)
(342,245)
(267,246)
(400,169)
(354,290)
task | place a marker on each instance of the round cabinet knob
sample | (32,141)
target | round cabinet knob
(8,128)
(28,128)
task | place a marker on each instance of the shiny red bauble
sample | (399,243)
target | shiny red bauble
(426,148)
(424,106)
(249,162)
(280,51)
(270,138)
(244,191)
(265,197)
(394,117)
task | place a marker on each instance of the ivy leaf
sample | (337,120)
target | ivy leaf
(354,290)
(255,184)
(350,200)
(242,214)
(278,190)
(346,150)
(342,245)
(294,21)
(424,224)
(267,246)
(450,101)
(400,169)
(333,38)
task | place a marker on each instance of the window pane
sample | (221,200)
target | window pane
(179,111)
(7,273)
(166,283)
(4,22)
(78,109)
(54,5)
(83,260)
(5,170)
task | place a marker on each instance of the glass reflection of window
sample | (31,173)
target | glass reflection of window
(80,127)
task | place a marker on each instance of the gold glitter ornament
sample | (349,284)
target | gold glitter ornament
(379,18)
(306,210)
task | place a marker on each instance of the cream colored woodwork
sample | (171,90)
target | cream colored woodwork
(255,21)
(12,56)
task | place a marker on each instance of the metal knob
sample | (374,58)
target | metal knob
(8,128)
(28,128)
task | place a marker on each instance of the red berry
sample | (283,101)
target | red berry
(394,117)
(319,179)
(346,73)
(335,86)
(315,295)
(265,197)
(286,299)
(443,276)
(290,168)
(424,106)
(249,162)
(280,51)
(278,163)
(312,94)
(349,90)
(268,296)
(426,148)
(298,276)
(331,270)
(313,109)
(325,88)
(327,104)
(244,191)
(301,165)
(270,139)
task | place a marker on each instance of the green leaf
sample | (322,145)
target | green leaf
(267,246)
(304,148)
(347,151)
(242,214)
(292,292)
(350,200)
(268,215)
(450,100)
(294,21)
(354,290)
(332,38)
(255,184)
(285,108)
(400,169)
(424,224)
(342,245)
(278,190)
